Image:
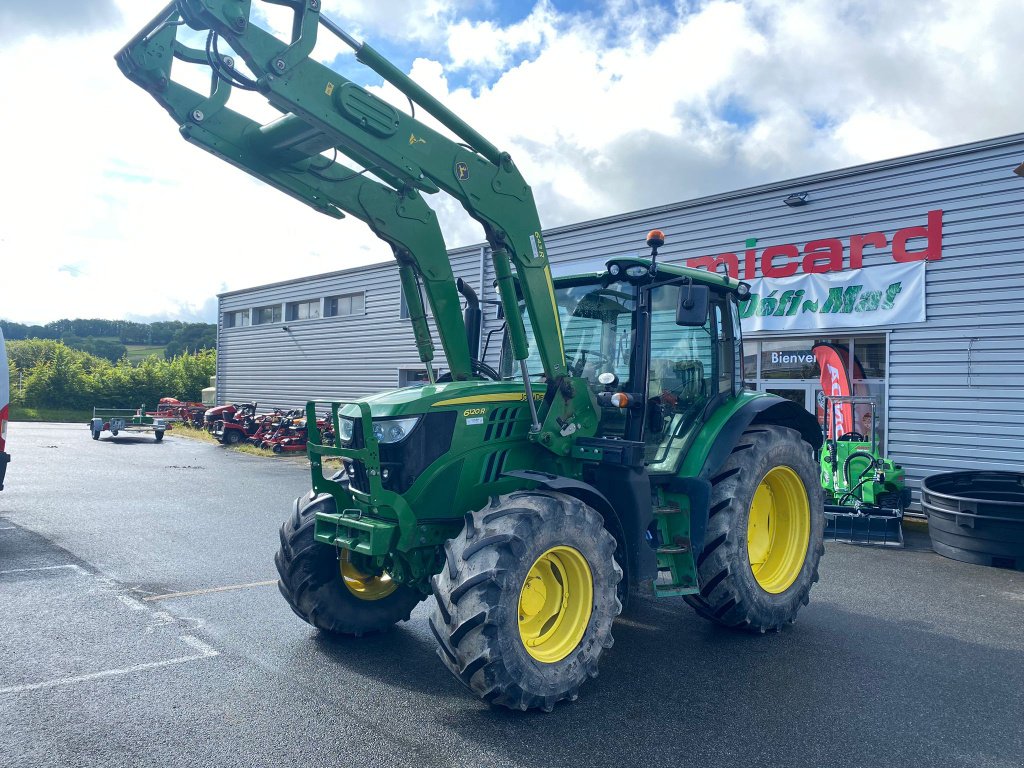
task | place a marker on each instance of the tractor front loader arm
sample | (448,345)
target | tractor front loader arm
(322,110)
(276,154)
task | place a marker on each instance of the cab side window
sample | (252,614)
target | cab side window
(683,363)
(727,346)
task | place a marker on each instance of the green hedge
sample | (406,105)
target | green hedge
(50,374)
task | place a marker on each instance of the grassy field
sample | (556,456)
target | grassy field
(139,352)
(60,415)
(183,430)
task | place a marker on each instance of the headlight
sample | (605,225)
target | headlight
(393,430)
(637,270)
(346,427)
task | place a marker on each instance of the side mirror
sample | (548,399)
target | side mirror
(692,310)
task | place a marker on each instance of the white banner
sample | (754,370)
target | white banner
(871,297)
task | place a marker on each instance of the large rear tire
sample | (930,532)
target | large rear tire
(764,534)
(525,604)
(326,589)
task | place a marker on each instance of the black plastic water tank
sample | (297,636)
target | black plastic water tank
(977,517)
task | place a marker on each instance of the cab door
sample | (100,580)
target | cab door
(690,368)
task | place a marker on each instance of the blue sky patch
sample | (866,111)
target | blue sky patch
(735,113)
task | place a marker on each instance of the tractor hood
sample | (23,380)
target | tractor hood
(412,401)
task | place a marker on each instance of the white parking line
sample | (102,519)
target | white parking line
(132,603)
(205,652)
(77,568)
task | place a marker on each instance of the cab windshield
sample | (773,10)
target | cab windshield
(597,332)
(689,365)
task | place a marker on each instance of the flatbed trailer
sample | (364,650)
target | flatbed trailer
(115,420)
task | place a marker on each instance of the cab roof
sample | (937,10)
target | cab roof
(669,270)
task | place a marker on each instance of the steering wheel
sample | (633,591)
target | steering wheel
(576,365)
(853,437)
(480,369)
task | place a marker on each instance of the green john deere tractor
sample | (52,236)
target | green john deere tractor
(613,451)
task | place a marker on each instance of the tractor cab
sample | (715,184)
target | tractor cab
(658,346)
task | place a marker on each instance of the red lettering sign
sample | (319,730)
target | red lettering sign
(916,243)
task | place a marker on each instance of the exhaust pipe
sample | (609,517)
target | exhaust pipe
(472,317)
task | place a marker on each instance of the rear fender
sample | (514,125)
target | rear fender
(761,410)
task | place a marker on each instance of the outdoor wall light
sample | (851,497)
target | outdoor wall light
(284,328)
(1019,170)
(796,199)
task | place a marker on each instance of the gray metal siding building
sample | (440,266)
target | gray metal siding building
(949,386)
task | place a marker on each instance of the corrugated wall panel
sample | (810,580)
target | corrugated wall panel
(328,358)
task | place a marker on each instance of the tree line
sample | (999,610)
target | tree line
(45,373)
(107,338)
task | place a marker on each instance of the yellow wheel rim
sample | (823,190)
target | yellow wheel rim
(362,585)
(555,604)
(778,530)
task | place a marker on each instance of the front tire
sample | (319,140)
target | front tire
(159,436)
(232,436)
(764,535)
(325,589)
(95,434)
(525,604)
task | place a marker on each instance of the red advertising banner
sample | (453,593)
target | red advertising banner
(835,382)
(861,413)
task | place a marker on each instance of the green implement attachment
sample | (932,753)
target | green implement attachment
(865,493)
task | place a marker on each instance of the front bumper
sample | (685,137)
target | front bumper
(372,520)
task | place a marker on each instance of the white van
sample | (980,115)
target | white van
(5,399)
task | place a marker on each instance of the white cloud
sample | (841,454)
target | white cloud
(863,133)
(630,105)
(398,20)
(488,46)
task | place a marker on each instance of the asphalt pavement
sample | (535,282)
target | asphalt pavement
(140,625)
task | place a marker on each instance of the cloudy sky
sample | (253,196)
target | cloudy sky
(607,107)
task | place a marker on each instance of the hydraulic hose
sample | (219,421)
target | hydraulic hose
(862,455)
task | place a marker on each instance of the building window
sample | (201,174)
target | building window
(404,312)
(268,314)
(237,319)
(303,310)
(787,367)
(346,304)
